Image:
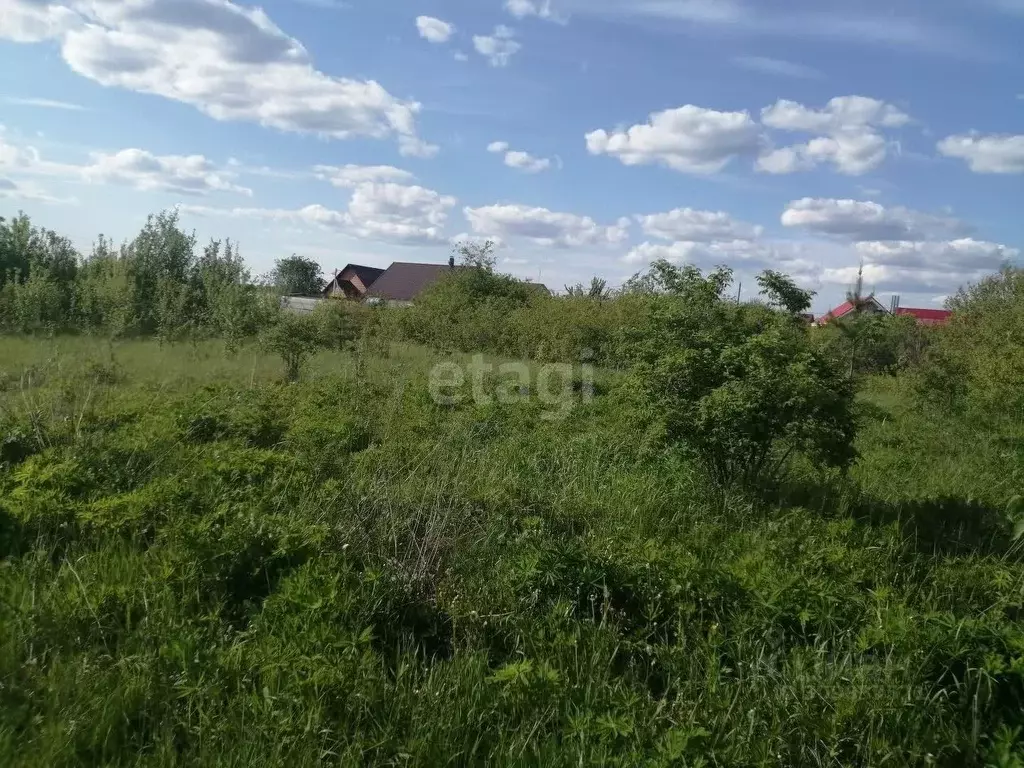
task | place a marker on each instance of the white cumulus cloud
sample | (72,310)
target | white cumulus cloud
(523,8)
(137,168)
(842,113)
(227,60)
(499,47)
(852,141)
(519,160)
(384,211)
(986,154)
(349,176)
(857,220)
(920,267)
(189,175)
(524,161)
(689,139)
(434,30)
(853,153)
(544,227)
(687,224)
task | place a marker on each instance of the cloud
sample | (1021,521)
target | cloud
(544,227)
(410,146)
(743,256)
(44,104)
(522,161)
(499,47)
(31,21)
(523,8)
(188,175)
(842,113)
(704,254)
(229,61)
(964,254)
(384,211)
(851,142)
(434,30)
(11,189)
(986,153)
(863,221)
(350,176)
(854,154)
(689,139)
(919,267)
(687,224)
(136,168)
(398,213)
(779,67)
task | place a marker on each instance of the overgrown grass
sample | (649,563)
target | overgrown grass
(199,564)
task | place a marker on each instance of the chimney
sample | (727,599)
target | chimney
(451,262)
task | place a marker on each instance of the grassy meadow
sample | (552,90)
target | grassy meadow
(200,564)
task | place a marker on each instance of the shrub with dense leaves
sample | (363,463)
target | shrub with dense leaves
(979,356)
(294,338)
(738,386)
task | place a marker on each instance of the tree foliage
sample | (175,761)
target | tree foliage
(977,361)
(156,284)
(296,276)
(738,387)
(783,292)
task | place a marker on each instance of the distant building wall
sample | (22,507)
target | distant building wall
(300,305)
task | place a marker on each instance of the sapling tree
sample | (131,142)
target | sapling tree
(294,337)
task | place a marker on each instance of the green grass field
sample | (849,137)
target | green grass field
(202,565)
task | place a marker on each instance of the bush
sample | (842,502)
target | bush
(738,386)
(339,323)
(979,356)
(293,337)
(867,344)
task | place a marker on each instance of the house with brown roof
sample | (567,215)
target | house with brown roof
(404,281)
(352,282)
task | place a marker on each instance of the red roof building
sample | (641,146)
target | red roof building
(871,305)
(926,316)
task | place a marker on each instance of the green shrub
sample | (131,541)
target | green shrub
(739,387)
(294,338)
(867,344)
(980,354)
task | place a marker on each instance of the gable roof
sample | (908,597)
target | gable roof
(404,281)
(847,307)
(366,274)
(926,316)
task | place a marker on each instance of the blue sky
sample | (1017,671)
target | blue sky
(585,136)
